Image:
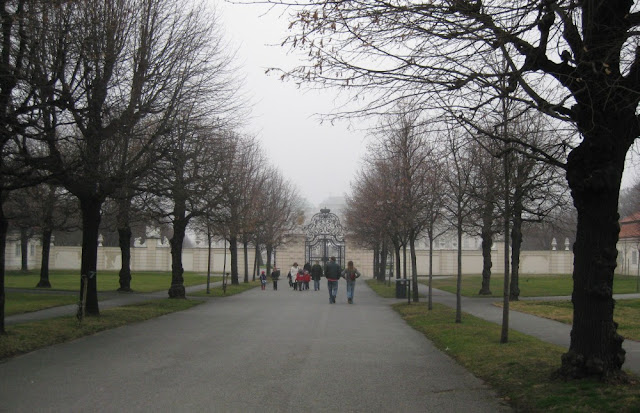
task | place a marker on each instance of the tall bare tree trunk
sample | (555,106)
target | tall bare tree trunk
(233,250)
(414,269)
(124,242)
(487,243)
(44,263)
(90,207)
(24,249)
(516,244)
(4,225)
(594,173)
(430,299)
(269,252)
(245,249)
(180,222)
(383,261)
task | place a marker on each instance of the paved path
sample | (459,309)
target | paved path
(260,351)
(542,328)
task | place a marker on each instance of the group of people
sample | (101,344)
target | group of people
(275,274)
(299,278)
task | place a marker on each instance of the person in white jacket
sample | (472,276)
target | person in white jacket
(294,271)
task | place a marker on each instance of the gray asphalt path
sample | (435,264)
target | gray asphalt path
(260,351)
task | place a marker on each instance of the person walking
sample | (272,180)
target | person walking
(294,273)
(307,279)
(299,280)
(316,274)
(275,274)
(350,274)
(263,280)
(332,272)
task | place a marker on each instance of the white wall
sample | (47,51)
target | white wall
(155,256)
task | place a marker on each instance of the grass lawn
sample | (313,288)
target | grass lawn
(382,289)
(26,337)
(626,313)
(69,280)
(530,285)
(18,303)
(520,371)
(231,289)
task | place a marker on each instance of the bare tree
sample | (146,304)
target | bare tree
(245,167)
(114,64)
(485,220)
(44,208)
(460,163)
(575,61)
(196,163)
(16,109)
(366,215)
(405,142)
(277,210)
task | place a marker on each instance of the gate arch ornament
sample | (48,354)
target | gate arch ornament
(324,238)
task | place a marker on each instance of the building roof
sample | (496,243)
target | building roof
(630,226)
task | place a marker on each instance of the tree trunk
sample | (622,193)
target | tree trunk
(376,261)
(430,299)
(487,243)
(459,278)
(404,261)
(24,249)
(4,225)
(180,223)
(516,244)
(269,252)
(245,249)
(256,268)
(177,289)
(90,207)
(594,173)
(414,269)
(124,241)
(47,232)
(233,250)
(44,263)
(383,262)
(397,252)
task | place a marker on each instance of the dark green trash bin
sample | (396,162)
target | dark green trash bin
(401,288)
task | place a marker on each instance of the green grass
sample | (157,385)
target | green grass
(382,289)
(520,371)
(626,313)
(530,285)
(18,303)
(26,337)
(69,280)
(230,290)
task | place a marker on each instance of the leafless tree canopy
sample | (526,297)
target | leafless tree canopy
(574,61)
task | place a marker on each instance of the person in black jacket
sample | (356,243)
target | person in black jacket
(275,274)
(332,272)
(316,274)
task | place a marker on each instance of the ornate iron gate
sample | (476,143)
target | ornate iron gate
(324,238)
